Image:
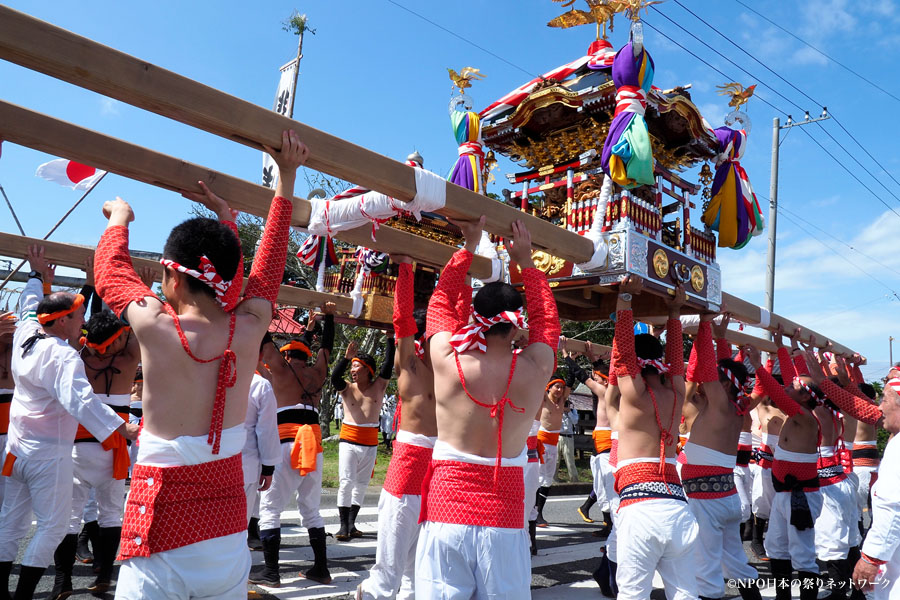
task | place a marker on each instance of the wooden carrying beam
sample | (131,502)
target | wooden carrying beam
(739,338)
(43,47)
(572,345)
(41,132)
(72,255)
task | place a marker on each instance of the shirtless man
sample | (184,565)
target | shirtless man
(487,396)
(401,498)
(111,355)
(298,392)
(716,388)
(656,529)
(52,396)
(605,574)
(199,352)
(555,394)
(358,448)
(7,329)
(865,450)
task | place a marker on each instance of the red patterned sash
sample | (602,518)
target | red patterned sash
(468,494)
(407,469)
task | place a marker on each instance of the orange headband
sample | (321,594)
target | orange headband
(44,318)
(602,376)
(365,364)
(102,346)
(552,381)
(295,345)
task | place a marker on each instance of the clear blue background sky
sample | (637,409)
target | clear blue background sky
(375,74)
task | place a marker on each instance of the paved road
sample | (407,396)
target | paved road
(568,554)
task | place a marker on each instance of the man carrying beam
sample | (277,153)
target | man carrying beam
(358,447)
(401,497)
(184,532)
(52,396)
(7,329)
(300,470)
(555,394)
(486,397)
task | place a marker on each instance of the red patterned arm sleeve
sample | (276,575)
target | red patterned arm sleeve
(787,367)
(623,356)
(404,323)
(702,366)
(116,281)
(234,290)
(801,367)
(851,404)
(268,264)
(776,393)
(543,318)
(442,309)
(613,378)
(856,375)
(674,347)
(758,390)
(723,349)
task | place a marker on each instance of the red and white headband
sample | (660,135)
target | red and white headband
(209,276)
(473,334)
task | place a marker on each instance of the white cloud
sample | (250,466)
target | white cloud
(109,107)
(715,113)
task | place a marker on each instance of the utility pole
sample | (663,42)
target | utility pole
(891,349)
(773,200)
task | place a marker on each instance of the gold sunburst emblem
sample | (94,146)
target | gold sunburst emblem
(697,279)
(661,263)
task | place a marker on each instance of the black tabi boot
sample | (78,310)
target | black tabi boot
(253,541)
(319,571)
(747,530)
(268,575)
(532,535)
(585,509)
(809,585)
(759,527)
(105,557)
(354,532)
(540,501)
(343,534)
(602,576)
(28,580)
(607,526)
(63,561)
(862,529)
(750,592)
(89,534)
(5,569)
(782,571)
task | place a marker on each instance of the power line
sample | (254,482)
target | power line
(852,308)
(832,59)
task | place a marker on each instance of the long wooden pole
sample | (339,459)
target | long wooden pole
(22,126)
(72,255)
(43,47)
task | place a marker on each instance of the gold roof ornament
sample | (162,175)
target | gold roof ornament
(600,12)
(739,94)
(464,78)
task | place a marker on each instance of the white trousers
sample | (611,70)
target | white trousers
(567,449)
(92,469)
(287,481)
(602,472)
(395,555)
(762,492)
(784,541)
(548,469)
(719,551)
(2,461)
(42,488)
(836,523)
(532,474)
(656,535)
(459,562)
(192,571)
(355,464)
(743,482)
(865,486)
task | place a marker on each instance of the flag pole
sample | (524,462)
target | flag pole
(296,75)
(54,228)
(9,204)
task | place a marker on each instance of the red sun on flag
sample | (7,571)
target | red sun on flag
(70,173)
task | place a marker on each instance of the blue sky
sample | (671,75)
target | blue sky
(376,75)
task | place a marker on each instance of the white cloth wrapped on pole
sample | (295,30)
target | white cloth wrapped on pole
(598,258)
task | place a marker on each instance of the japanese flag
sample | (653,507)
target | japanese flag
(70,173)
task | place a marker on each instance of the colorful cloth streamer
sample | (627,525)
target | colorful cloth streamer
(467,170)
(733,210)
(314,249)
(627,156)
(372,261)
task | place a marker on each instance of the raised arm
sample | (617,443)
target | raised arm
(623,355)
(33,293)
(387,365)
(543,317)
(772,388)
(784,357)
(405,327)
(443,315)
(702,365)
(337,376)
(674,338)
(723,346)
(851,404)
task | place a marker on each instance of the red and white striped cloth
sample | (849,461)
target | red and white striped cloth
(209,276)
(473,334)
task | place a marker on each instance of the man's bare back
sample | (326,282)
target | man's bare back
(415,385)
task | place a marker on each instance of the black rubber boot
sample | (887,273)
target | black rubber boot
(585,509)
(253,541)
(809,585)
(105,557)
(603,576)
(29,577)
(862,530)
(354,532)
(540,501)
(63,561)
(759,527)
(268,575)
(782,571)
(747,530)
(708,598)
(750,592)
(604,531)
(532,535)
(90,533)
(319,571)
(343,534)
(5,569)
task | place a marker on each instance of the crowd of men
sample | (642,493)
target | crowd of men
(223,426)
